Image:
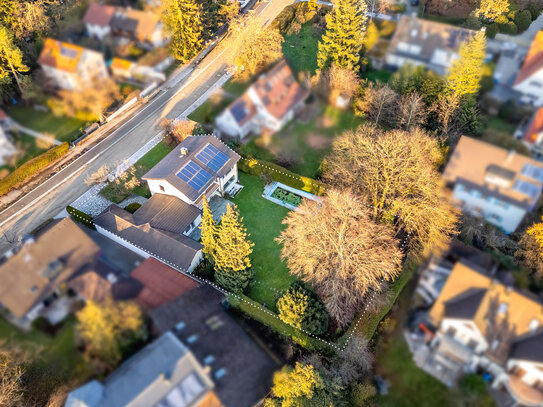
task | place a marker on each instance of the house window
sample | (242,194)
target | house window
(503,308)
(472,344)
(161,188)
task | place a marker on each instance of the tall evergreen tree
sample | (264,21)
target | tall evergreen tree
(344,36)
(209,231)
(467,71)
(232,251)
(182,19)
(11,57)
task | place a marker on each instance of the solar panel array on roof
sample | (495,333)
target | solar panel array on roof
(239,111)
(212,157)
(526,188)
(68,52)
(194,175)
(532,172)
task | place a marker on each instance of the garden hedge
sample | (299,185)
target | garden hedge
(81,217)
(255,311)
(277,173)
(31,167)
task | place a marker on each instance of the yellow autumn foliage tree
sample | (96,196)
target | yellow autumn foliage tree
(467,71)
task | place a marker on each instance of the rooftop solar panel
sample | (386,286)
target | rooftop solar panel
(533,172)
(194,175)
(239,111)
(212,157)
(526,188)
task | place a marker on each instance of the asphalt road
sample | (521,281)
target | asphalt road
(175,97)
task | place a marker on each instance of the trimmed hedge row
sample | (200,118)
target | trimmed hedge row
(277,173)
(255,311)
(31,167)
(81,217)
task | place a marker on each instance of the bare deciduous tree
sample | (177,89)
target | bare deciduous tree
(445,108)
(99,176)
(176,130)
(336,248)
(354,362)
(334,83)
(11,391)
(412,111)
(378,102)
(396,172)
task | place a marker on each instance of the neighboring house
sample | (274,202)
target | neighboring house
(159,228)
(97,19)
(533,136)
(127,70)
(161,283)
(7,149)
(433,277)
(427,43)
(122,68)
(200,165)
(241,369)
(486,326)
(529,80)
(268,104)
(71,67)
(163,374)
(97,281)
(488,181)
(32,277)
(143,27)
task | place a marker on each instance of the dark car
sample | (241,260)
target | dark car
(414,3)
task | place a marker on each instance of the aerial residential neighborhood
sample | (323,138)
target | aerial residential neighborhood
(271,203)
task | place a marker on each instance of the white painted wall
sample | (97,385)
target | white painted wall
(61,79)
(532,88)
(169,189)
(98,31)
(465,331)
(504,215)
(533,372)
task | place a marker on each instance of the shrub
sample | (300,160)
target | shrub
(277,173)
(492,30)
(523,19)
(361,393)
(31,167)
(534,10)
(300,307)
(81,217)
(132,207)
(42,324)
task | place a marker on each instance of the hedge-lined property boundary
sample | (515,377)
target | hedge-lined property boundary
(31,167)
(277,173)
(81,217)
(254,310)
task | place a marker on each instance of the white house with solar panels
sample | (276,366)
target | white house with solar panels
(495,184)
(200,165)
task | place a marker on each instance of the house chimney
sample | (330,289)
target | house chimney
(184,151)
(510,155)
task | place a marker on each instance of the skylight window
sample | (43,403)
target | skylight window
(503,308)
(220,373)
(193,338)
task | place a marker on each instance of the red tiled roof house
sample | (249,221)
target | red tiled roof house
(97,19)
(268,104)
(529,80)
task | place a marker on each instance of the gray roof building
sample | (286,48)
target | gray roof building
(424,42)
(138,231)
(163,374)
(194,165)
(241,370)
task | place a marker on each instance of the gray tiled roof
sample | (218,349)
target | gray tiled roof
(529,347)
(147,378)
(465,305)
(170,165)
(166,212)
(220,342)
(176,248)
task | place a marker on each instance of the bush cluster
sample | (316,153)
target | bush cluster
(513,22)
(31,167)
(132,207)
(277,173)
(287,197)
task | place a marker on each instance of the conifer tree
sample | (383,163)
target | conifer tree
(467,71)
(209,231)
(232,251)
(11,57)
(344,36)
(182,20)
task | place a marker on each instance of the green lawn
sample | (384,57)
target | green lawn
(301,49)
(262,218)
(53,361)
(143,165)
(302,146)
(381,75)
(63,128)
